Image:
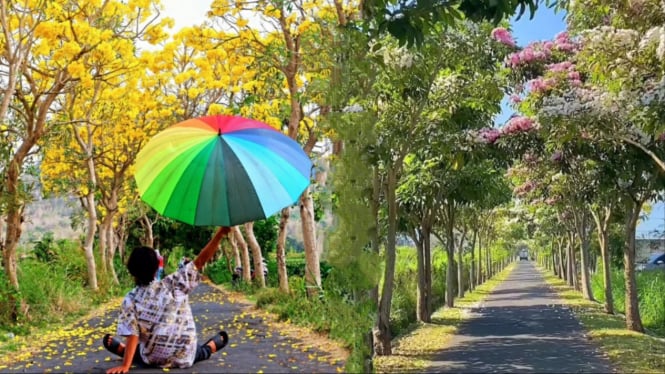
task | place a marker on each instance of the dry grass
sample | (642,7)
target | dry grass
(629,351)
(412,352)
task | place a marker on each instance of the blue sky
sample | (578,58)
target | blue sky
(545,25)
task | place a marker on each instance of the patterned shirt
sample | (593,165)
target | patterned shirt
(160,315)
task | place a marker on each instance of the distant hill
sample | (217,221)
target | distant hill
(50,215)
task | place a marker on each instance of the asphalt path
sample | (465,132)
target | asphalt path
(257,343)
(522,327)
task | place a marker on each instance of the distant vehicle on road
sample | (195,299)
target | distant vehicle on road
(655,262)
(524,255)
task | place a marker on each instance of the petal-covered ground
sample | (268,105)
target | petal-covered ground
(258,343)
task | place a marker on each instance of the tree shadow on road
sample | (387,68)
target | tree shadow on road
(536,338)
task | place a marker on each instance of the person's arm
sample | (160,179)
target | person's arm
(209,250)
(131,342)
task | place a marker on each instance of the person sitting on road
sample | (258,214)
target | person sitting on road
(156,318)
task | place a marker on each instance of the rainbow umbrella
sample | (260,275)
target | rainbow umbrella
(221,171)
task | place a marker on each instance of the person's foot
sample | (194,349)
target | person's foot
(113,345)
(218,341)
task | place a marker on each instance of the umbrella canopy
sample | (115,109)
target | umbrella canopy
(221,171)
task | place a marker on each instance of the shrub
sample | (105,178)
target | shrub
(650,286)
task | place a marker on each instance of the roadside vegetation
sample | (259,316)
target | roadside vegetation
(650,285)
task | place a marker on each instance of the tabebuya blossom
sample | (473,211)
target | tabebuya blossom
(561,67)
(534,52)
(503,36)
(488,135)
(518,124)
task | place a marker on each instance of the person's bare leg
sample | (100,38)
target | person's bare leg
(211,344)
(121,348)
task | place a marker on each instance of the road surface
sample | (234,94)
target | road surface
(257,343)
(522,327)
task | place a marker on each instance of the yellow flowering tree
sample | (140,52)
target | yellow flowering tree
(93,160)
(53,48)
(291,43)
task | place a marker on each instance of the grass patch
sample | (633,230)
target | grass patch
(651,297)
(629,352)
(412,352)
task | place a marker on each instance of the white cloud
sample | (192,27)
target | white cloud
(186,12)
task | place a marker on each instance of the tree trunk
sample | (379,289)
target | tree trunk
(244,254)
(122,234)
(88,243)
(424,300)
(562,261)
(460,265)
(427,259)
(488,260)
(282,274)
(602,224)
(259,279)
(450,255)
(570,259)
(460,273)
(633,319)
(573,255)
(480,260)
(236,253)
(581,223)
(421,304)
(312,265)
(111,246)
(382,336)
(106,244)
(148,234)
(472,269)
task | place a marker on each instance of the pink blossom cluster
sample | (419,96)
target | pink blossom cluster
(567,68)
(525,188)
(574,79)
(540,84)
(489,135)
(661,137)
(561,67)
(563,43)
(542,51)
(518,124)
(503,36)
(515,99)
(534,52)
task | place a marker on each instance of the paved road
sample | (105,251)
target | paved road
(257,343)
(522,327)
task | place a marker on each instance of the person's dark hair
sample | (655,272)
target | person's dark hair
(143,264)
